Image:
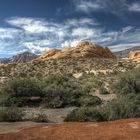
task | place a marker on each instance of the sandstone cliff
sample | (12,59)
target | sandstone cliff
(83,49)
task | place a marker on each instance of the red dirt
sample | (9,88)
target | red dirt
(117,130)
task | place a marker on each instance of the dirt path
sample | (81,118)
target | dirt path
(117,130)
(54,115)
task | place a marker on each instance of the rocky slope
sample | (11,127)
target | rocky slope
(134,55)
(86,57)
(122,130)
(83,49)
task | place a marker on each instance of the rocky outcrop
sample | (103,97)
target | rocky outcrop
(134,54)
(49,53)
(83,49)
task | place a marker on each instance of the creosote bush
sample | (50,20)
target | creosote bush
(85,114)
(22,92)
(11,114)
(89,100)
(54,91)
(128,83)
(121,108)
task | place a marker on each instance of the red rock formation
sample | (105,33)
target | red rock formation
(134,54)
(49,53)
(83,49)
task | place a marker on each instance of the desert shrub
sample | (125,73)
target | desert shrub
(128,83)
(61,91)
(84,114)
(89,100)
(103,90)
(56,79)
(40,117)
(61,96)
(11,114)
(20,92)
(89,82)
(3,97)
(121,108)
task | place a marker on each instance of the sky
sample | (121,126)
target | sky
(39,25)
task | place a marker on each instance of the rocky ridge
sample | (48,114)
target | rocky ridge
(83,49)
(19,58)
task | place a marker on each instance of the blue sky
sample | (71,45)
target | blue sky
(38,25)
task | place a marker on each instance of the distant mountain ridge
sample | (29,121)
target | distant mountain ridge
(5,60)
(24,57)
(19,58)
(124,53)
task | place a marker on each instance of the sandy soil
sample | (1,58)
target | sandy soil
(116,130)
(53,115)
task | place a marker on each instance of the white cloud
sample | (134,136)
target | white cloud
(70,43)
(31,25)
(84,32)
(8,33)
(127,29)
(82,21)
(119,8)
(120,47)
(87,6)
(135,7)
(38,35)
(33,47)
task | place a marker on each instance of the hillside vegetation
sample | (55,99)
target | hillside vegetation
(100,88)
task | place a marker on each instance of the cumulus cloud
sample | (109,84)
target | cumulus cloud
(30,25)
(70,43)
(38,35)
(34,47)
(84,32)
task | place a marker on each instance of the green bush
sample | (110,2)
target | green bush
(61,96)
(90,82)
(121,108)
(55,91)
(56,79)
(128,83)
(89,100)
(20,92)
(85,114)
(11,114)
